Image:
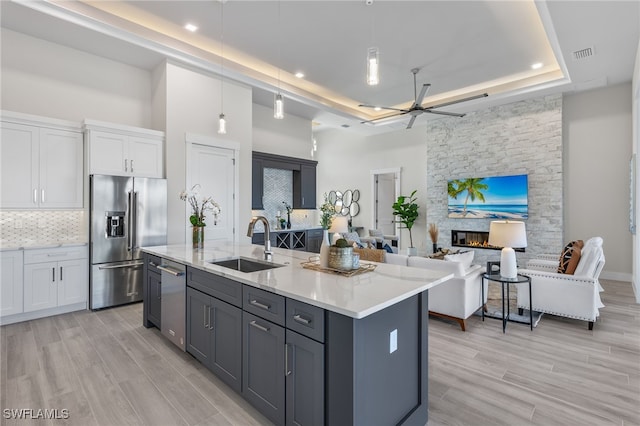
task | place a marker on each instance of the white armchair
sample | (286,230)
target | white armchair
(458,298)
(573,296)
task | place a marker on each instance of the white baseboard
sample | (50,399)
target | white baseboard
(616,276)
(26,316)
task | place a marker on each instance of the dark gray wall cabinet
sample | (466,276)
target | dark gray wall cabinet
(304,179)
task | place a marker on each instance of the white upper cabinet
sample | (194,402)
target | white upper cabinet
(42,163)
(124,151)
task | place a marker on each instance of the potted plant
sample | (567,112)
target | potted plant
(341,255)
(197,213)
(406,209)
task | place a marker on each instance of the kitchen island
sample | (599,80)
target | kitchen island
(304,346)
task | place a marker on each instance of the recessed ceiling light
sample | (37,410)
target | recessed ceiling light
(536,66)
(191,27)
(299,74)
(377,109)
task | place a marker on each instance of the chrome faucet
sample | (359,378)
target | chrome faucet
(267,234)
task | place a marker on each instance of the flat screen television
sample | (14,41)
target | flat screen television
(497,197)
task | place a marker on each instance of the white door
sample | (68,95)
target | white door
(214,169)
(385,197)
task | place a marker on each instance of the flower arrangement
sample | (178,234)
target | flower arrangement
(198,208)
(327,212)
(287,207)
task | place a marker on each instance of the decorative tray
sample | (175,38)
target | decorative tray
(364,267)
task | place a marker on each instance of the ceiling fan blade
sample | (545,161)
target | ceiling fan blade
(423,92)
(413,118)
(382,118)
(381,107)
(470,98)
(452,114)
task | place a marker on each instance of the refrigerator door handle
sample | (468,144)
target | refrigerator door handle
(133,213)
(129,221)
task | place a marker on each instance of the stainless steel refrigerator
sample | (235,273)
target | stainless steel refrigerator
(126,213)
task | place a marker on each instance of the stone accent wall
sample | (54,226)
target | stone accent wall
(520,138)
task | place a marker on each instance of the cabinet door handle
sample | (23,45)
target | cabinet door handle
(61,274)
(254,302)
(125,165)
(154,264)
(204,316)
(35,196)
(211,324)
(301,319)
(53,274)
(42,196)
(131,166)
(303,201)
(287,370)
(259,327)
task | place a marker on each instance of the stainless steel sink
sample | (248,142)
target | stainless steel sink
(244,264)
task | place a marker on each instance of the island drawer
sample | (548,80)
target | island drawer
(222,288)
(305,319)
(55,254)
(264,304)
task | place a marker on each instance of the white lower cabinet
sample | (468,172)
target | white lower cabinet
(55,278)
(11,282)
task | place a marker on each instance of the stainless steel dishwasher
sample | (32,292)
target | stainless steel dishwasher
(173,292)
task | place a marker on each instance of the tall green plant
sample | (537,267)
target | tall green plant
(406,209)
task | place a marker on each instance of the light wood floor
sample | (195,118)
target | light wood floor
(106,369)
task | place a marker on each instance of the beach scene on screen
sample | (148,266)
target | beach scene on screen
(497,197)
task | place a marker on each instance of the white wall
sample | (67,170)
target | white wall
(636,150)
(345,161)
(290,136)
(47,79)
(597,133)
(193,106)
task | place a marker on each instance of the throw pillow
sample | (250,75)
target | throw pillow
(353,238)
(570,257)
(465,258)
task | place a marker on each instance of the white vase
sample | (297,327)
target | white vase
(412,251)
(324,249)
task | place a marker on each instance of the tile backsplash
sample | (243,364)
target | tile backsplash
(18,228)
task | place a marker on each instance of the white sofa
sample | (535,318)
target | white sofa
(456,299)
(573,296)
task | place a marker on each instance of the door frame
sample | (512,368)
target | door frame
(195,139)
(396,171)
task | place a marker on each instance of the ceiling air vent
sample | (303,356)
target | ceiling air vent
(583,53)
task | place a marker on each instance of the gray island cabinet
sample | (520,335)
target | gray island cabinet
(305,347)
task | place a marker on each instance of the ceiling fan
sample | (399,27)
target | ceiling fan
(416,109)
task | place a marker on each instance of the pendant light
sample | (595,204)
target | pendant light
(278,101)
(222,122)
(373,55)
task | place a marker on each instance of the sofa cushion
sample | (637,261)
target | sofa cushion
(465,258)
(589,262)
(570,257)
(438,265)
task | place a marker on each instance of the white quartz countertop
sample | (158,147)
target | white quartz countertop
(34,244)
(357,296)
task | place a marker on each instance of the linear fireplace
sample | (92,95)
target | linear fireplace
(474,239)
